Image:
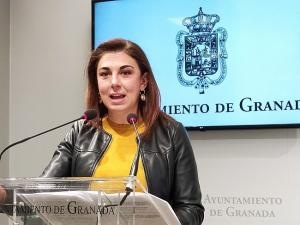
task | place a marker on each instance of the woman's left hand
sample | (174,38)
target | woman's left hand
(2,194)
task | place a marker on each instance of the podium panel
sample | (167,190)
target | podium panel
(88,201)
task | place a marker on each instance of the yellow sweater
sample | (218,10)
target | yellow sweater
(117,159)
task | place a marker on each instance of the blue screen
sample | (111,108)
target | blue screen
(217,63)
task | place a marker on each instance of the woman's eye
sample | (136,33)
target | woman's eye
(126,72)
(103,74)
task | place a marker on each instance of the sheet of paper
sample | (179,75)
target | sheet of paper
(93,207)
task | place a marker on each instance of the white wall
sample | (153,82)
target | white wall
(4,88)
(50,42)
(50,45)
(258,166)
(4,82)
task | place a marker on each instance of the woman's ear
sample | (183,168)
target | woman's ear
(144,81)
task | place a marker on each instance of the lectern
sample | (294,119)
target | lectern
(82,201)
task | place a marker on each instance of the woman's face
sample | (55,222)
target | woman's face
(120,82)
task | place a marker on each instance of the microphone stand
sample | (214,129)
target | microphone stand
(36,135)
(88,115)
(134,168)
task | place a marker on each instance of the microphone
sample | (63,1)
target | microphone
(87,115)
(132,119)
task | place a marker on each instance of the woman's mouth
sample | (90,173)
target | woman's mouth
(117,96)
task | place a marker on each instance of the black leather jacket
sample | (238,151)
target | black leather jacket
(168,160)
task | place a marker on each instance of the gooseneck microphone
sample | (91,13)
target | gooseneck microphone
(87,115)
(132,119)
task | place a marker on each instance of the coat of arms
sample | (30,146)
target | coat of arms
(201,52)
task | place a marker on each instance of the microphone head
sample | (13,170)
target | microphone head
(132,118)
(89,114)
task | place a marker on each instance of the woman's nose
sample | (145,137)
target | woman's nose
(115,80)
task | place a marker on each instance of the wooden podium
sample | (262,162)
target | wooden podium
(82,201)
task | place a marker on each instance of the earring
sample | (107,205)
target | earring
(143,95)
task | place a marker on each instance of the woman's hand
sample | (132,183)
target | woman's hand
(2,194)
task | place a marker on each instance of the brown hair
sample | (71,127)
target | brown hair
(149,109)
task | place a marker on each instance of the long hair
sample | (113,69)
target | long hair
(149,110)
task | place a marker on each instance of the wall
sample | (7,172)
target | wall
(50,45)
(4,83)
(4,88)
(247,176)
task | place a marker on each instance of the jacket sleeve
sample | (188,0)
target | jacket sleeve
(61,162)
(186,195)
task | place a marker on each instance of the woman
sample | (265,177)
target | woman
(120,82)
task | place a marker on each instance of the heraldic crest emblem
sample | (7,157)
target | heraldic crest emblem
(201,59)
